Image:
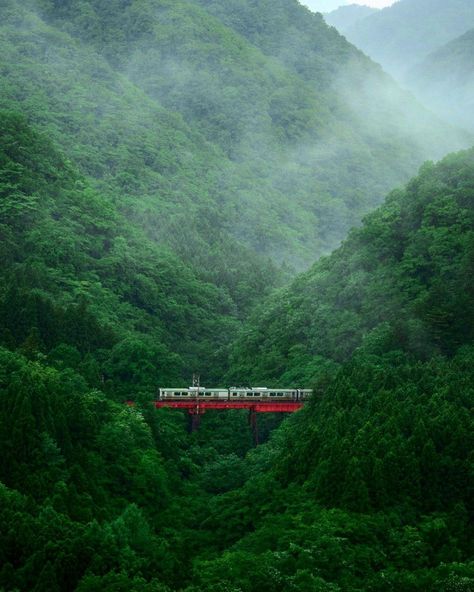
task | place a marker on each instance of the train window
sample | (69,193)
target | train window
(177,394)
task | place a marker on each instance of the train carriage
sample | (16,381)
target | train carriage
(234,393)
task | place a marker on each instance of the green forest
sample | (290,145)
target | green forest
(231,188)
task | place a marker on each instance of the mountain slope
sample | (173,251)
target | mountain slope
(370,486)
(445,81)
(403,281)
(273,134)
(402,35)
(356,92)
(347,16)
(76,277)
(123,267)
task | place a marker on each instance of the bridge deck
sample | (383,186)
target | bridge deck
(198,406)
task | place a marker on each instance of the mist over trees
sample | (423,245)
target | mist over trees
(323,5)
(405,33)
(345,17)
(223,186)
(445,81)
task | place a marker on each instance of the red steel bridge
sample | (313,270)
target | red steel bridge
(197,407)
(197,400)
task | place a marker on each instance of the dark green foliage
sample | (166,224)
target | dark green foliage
(371,486)
(76,275)
(402,281)
(161,150)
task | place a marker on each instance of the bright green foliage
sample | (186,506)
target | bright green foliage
(220,140)
(76,276)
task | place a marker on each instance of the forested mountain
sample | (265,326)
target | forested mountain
(165,165)
(347,16)
(369,488)
(403,281)
(372,486)
(77,281)
(445,81)
(402,35)
(256,124)
(214,146)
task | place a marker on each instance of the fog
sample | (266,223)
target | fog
(329,5)
(324,5)
(284,153)
(428,48)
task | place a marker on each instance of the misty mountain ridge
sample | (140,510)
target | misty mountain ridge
(348,15)
(400,36)
(444,81)
(392,285)
(289,123)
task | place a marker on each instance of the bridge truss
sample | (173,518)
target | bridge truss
(197,407)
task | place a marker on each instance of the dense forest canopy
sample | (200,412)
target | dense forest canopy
(401,281)
(220,130)
(166,168)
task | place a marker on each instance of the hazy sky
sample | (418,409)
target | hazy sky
(327,5)
(376,3)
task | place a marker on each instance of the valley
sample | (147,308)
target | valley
(233,189)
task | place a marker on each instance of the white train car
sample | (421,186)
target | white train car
(193,392)
(234,393)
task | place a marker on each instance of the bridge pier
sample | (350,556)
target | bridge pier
(197,407)
(194,421)
(253,423)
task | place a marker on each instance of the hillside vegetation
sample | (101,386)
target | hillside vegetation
(217,132)
(402,281)
(222,162)
(369,488)
(372,473)
(165,168)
